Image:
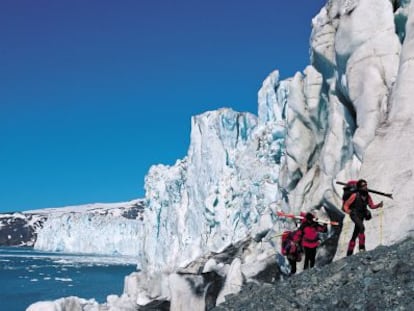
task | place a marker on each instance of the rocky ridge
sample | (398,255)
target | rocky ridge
(381,279)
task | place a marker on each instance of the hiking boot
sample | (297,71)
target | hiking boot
(351,247)
(361,240)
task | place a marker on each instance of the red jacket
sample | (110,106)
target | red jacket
(309,233)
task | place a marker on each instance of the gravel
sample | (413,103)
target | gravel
(381,279)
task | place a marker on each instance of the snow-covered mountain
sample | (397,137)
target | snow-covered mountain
(210,218)
(19,229)
(54,228)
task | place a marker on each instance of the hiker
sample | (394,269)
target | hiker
(310,230)
(291,248)
(356,206)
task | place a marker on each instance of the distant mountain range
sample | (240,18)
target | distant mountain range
(21,228)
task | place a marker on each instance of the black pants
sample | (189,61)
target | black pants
(359,225)
(310,255)
(292,263)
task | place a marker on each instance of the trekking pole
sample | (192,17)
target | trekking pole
(389,195)
(275,236)
(381,214)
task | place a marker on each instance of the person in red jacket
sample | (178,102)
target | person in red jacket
(291,248)
(310,238)
(356,206)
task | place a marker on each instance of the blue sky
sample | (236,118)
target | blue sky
(92,93)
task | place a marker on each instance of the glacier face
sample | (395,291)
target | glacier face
(113,229)
(204,202)
(93,234)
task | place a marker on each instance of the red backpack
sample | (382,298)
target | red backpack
(349,189)
(289,247)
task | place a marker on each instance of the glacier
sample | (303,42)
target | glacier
(115,235)
(345,116)
(113,229)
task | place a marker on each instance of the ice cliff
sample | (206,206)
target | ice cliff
(347,115)
(311,130)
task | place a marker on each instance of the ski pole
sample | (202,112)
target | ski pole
(389,195)
(327,222)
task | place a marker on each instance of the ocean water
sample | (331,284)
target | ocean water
(27,276)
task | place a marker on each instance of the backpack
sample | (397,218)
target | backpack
(310,233)
(348,190)
(289,247)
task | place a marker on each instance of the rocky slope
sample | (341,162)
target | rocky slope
(19,229)
(381,279)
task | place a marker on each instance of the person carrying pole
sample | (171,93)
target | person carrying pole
(356,206)
(309,235)
(291,248)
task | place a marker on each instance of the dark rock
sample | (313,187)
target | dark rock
(156,305)
(18,229)
(381,279)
